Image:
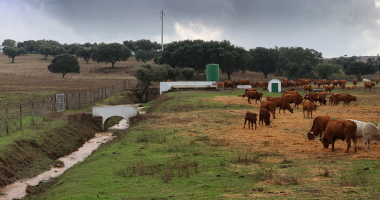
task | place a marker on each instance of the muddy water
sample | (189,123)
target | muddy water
(18,189)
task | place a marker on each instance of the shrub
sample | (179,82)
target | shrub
(188,73)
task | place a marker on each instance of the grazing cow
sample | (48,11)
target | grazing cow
(319,125)
(368,85)
(328,88)
(350,87)
(354,82)
(230,84)
(307,88)
(377,81)
(291,89)
(252,95)
(251,118)
(221,85)
(309,107)
(340,129)
(289,92)
(294,98)
(335,83)
(270,106)
(346,98)
(316,96)
(319,84)
(264,116)
(282,103)
(366,129)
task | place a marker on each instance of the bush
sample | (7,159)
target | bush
(188,73)
(341,77)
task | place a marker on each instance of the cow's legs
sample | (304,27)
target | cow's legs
(332,145)
(348,144)
(245,121)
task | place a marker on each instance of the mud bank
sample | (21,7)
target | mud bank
(18,159)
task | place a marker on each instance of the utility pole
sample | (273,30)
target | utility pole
(162,32)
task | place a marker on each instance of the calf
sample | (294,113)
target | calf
(368,129)
(340,129)
(270,106)
(319,125)
(251,118)
(264,117)
(309,107)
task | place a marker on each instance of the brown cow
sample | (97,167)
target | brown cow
(340,129)
(294,98)
(350,87)
(253,95)
(377,81)
(316,96)
(319,84)
(251,118)
(345,97)
(290,92)
(343,86)
(264,88)
(264,116)
(335,83)
(368,85)
(309,107)
(230,84)
(270,106)
(221,85)
(307,88)
(328,88)
(282,103)
(319,125)
(291,89)
(242,82)
(325,82)
(251,89)
(315,82)
(354,82)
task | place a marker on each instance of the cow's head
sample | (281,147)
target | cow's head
(325,142)
(290,108)
(315,107)
(244,95)
(310,135)
(267,122)
(261,94)
(324,101)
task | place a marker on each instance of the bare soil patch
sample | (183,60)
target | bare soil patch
(286,134)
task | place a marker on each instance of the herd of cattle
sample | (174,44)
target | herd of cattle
(333,129)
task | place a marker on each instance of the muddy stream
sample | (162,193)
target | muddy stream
(18,189)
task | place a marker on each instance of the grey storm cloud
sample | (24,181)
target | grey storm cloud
(332,27)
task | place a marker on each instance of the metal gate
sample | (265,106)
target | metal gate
(60,102)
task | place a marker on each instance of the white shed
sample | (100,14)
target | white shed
(274,85)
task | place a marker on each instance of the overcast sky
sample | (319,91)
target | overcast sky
(333,27)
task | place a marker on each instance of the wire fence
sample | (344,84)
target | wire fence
(25,115)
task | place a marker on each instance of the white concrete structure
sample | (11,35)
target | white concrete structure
(274,81)
(106,111)
(244,86)
(166,86)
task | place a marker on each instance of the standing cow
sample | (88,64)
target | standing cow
(264,116)
(319,125)
(340,129)
(251,118)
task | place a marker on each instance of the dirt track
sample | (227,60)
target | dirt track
(287,132)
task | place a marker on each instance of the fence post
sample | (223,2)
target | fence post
(90,97)
(98,94)
(33,113)
(67,103)
(94,95)
(6,117)
(20,118)
(105,92)
(52,104)
(79,101)
(85,98)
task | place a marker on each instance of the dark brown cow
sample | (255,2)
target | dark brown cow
(319,125)
(368,85)
(354,82)
(270,106)
(307,88)
(343,86)
(345,97)
(315,82)
(291,89)
(328,88)
(251,118)
(281,103)
(316,96)
(230,84)
(264,116)
(319,84)
(309,107)
(253,95)
(340,129)
(294,98)
(242,82)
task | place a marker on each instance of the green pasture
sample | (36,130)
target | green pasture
(166,154)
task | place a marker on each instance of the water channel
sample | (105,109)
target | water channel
(18,189)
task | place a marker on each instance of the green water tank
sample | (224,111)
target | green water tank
(212,71)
